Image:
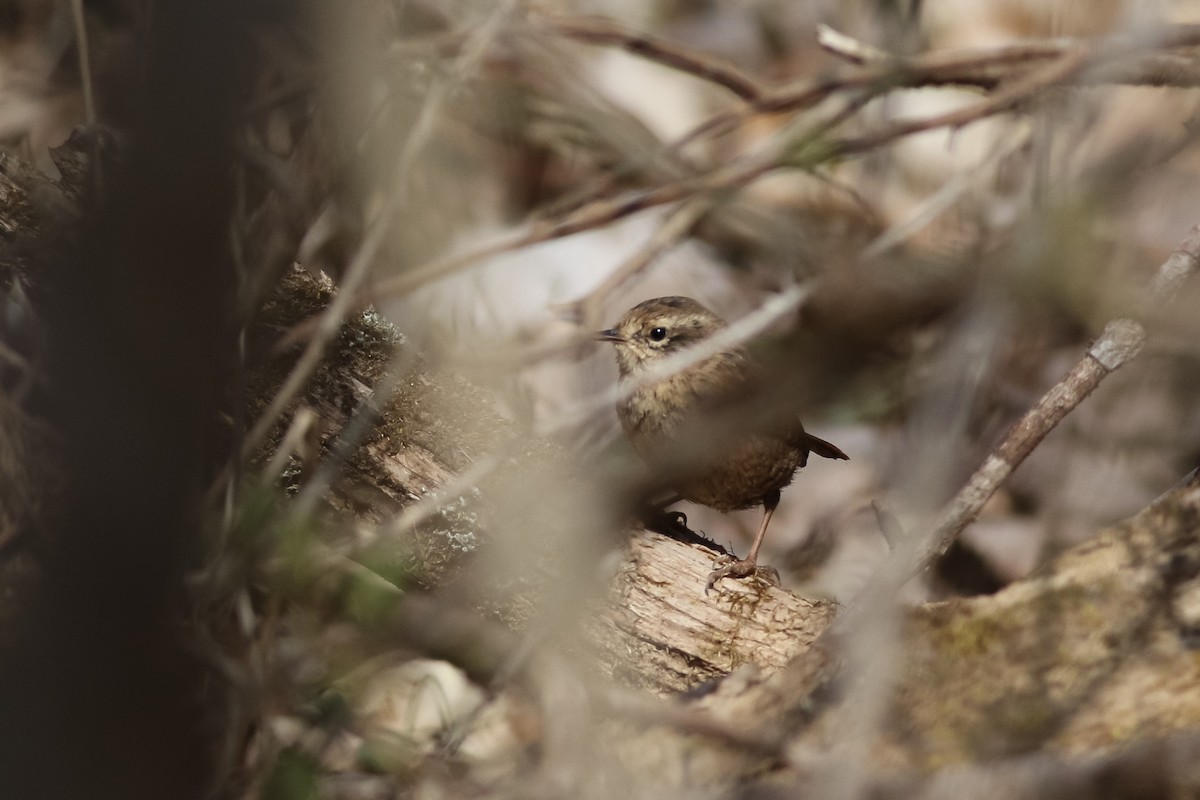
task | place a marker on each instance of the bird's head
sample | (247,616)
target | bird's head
(654,329)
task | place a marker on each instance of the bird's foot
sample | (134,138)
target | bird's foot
(675,521)
(741,569)
(674,524)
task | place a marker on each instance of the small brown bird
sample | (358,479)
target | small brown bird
(668,420)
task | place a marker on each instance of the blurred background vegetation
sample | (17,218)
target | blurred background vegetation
(311,481)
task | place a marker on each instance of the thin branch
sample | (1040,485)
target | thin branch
(816,132)
(1006,100)
(1114,61)
(735,175)
(593,215)
(944,198)
(602,31)
(1121,342)
(585,310)
(1071,59)
(847,47)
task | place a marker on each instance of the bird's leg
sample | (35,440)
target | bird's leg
(749,565)
(770,502)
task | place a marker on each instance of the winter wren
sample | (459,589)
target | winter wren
(670,421)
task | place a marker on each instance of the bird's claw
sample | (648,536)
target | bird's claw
(741,569)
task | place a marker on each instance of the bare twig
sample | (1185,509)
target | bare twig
(586,309)
(598,30)
(734,175)
(1005,100)
(1111,61)
(593,215)
(604,211)
(847,47)
(889,526)
(851,106)
(946,197)
(1121,341)
(985,69)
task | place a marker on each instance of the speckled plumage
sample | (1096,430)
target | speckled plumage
(749,467)
(662,417)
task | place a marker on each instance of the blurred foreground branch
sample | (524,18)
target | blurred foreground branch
(1056,663)
(347,548)
(1012,75)
(99,698)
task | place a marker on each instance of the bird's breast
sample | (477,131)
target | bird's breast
(667,421)
(655,412)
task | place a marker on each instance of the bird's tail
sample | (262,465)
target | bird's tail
(823,448)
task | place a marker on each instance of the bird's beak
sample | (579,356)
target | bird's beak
(609,335)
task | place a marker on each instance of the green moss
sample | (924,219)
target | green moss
(366,598)
(1019,722)
(967,637)
(389,754)
(292,777)
(989,683)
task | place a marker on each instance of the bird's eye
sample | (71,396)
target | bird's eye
(658,334)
